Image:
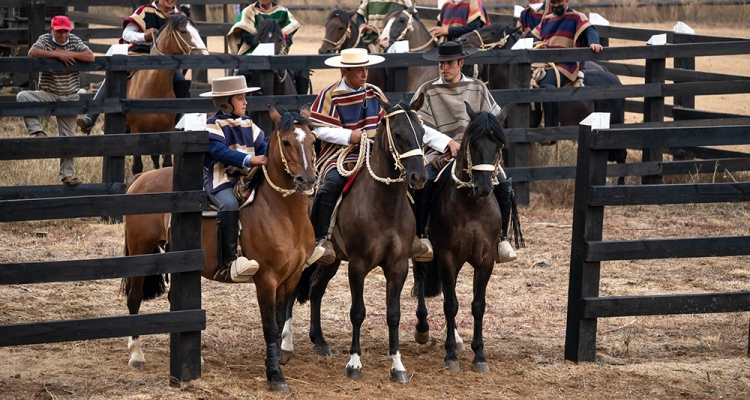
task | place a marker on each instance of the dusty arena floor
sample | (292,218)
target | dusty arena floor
(663,357)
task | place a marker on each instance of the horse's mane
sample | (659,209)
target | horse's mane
(289,118)
(486,124)
(343,14)
(269,26)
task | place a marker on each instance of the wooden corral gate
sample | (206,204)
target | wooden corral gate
(185,319)
(588,250)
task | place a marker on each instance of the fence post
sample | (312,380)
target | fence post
(684,63)
(113,168)
(198,13)
(591,169)
(185,289)
(36,28)
(518,117)
(653,111)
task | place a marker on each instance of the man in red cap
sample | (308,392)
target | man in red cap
(59,85)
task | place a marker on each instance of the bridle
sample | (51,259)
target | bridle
(490,46)
(410,28)
(365,152)
(284,192)
(339,43)
(494,168)
(181,43)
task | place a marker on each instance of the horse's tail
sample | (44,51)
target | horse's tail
(302,291)
(515,223)
(431,279)
(153,285)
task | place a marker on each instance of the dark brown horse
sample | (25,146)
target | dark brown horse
(269,31)
(465,227)
(375,227)
(499,36)
(180,37)
(403,24)
(276,232)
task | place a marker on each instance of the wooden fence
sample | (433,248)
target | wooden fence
(185,319)
(588,249)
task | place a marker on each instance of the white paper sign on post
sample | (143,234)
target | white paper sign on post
(682,27)
(517,11)
(523,44)
(597,19)
(658,40)
(264,49)
(402,46)
(117,50)
(597,120)
(192,122)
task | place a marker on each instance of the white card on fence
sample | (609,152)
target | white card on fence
(192,122)
(658,40)
(117,50)
(402,46)
(597,19)
(597,120)
(264,49)
(517,11)
(682,27)
(523,44)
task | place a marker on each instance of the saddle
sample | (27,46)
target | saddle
(243,190)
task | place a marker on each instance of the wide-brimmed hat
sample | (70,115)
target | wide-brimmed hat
(61,22)
(228,86)
(352,58)
(447,51)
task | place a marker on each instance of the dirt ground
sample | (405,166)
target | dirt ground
(665,357)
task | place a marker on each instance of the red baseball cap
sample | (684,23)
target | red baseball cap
(61,22)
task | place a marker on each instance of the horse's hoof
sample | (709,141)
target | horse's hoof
(399,376)
(279,387)
(139,365)
(481,367)
(323,350)
(354,373)
(452,365)
(286,355)
(422,337)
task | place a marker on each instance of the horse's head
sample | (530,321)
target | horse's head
(178,36)
(269,31)
(479,155)
(495,36)
(339,28)
(401,132)
(295,142)
(398,25)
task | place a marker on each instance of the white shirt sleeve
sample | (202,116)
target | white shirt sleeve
(435,139)
(334,135)
(132,34)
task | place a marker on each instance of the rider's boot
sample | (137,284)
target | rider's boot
(86,122)
(504,195)
(240,269)
(322,211)
(422,247)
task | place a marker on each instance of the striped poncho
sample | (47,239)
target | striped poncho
(145,17)
(248,21)
(444,107)
(530,18)
(345,109)
(462,13)
(375,11)
(562,32)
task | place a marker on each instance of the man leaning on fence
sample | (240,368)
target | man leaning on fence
(60,44)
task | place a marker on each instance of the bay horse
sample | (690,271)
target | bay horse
(342,33)
(375,227)
(276,232)
(499,36)
(269,31)
(464,227)
(178,36)
(403,24)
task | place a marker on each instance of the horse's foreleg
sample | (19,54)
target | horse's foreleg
(422,331)
(137,164)
(357,316)
(266,293)
(318,283)
(448,274)
(134,287)
(481,279)
(395,278)
(155,160)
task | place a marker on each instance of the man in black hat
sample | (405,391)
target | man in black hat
(444,111)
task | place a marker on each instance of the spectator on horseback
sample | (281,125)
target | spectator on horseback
(531,16)
(444,114)
(62,45)
(234,143)
(241,37)
(458,17)
(372,13)
(139,30)
(344,113)
(561,27)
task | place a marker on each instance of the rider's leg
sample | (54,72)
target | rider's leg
(322,210)
(504,195)
(422,205)
(86,122)
(551,109)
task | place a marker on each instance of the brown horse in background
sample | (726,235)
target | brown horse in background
(404,24)
(276,232)
(465,227)
(179,36)
(375,227)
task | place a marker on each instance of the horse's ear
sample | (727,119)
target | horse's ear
(412,8)
(259,19)
(418,102)
(513,30)
(503,114)
(305,110)
(275,116)
(470,111)
(387,107)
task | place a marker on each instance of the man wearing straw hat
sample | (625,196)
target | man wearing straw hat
(344,113)
(444,111)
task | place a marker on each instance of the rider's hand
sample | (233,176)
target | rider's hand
(596,47)
(259,160)
(356,136)
(148,36)
(439,31)
(453,146)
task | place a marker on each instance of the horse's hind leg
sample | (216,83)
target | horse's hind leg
(357,314)
(137,164)
(134,288)
(318,285)
(424,274)
(155,160)
(481,279)
(167,160)
(284,320)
